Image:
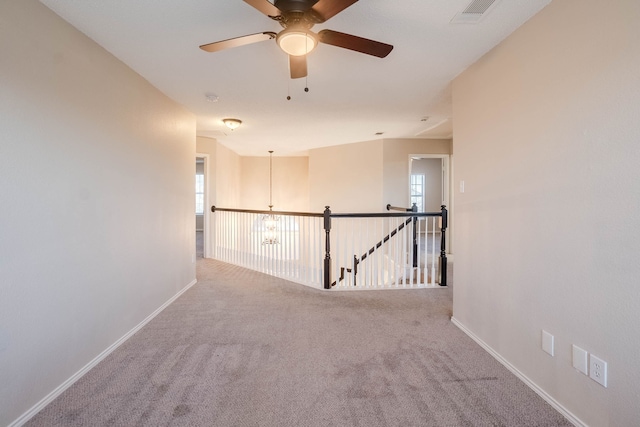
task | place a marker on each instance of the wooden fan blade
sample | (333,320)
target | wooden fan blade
(359,44)
(298,66)
(325,9)
(238,41)
(264,6)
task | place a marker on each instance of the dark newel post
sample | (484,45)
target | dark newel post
(327,248)
(443,250)
(355,270)
(414,209)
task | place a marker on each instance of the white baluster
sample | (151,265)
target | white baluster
(425,240)
(433,252)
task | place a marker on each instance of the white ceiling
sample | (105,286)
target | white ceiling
(351,96)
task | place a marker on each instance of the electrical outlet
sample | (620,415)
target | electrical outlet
(598,370)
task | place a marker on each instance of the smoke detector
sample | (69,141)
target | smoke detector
(211,97)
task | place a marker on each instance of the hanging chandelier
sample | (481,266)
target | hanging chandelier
(270,221)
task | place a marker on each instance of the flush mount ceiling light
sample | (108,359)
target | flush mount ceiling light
(232,123)
(297,41)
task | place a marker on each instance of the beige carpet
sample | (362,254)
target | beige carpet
(199,244)
(244,349)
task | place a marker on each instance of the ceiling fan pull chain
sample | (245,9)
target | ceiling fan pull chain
(306,78)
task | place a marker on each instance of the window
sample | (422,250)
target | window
(199,194)
(417,191)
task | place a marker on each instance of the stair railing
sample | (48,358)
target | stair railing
(312,248)
(406,257)
(283,244)
(378,245)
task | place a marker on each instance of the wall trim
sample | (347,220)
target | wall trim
(532,385)
(75,377)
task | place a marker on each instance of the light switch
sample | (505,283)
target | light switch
(580,360)
(547,342)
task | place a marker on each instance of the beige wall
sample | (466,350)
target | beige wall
(228,177)
(98,232)
(209,147)
(348,178)
(290,183)
(224,173)
(358,177)
(366,176)
(243,182)
(547,232)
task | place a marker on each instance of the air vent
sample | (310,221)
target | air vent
(474,12)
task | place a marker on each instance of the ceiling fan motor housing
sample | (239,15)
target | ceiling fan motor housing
(297,13)
(294,5)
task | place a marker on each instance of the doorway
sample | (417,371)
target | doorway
(429,185)
(201,204)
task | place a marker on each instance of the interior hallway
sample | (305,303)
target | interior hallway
(244,349)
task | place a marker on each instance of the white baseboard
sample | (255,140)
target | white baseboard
(75,377)
(533,386)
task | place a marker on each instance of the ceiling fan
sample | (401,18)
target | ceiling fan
(297,17)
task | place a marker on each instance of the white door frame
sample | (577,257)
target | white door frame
(447,192)
(206,217)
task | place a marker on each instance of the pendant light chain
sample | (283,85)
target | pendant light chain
(270,179)
(306,78)
(270,221)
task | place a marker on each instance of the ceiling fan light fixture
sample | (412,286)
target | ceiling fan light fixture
(232,123)
(297,42)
